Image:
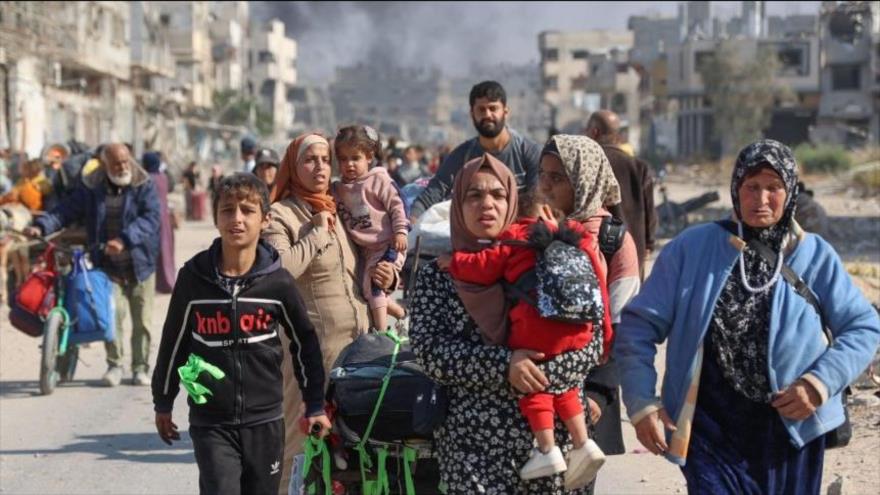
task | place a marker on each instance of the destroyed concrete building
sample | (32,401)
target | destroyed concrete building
(64,70)
(406,102)
(145,73)
(272,73)
(569,60)
(677,116)
(849,110)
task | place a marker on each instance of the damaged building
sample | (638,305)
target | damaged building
(850,80)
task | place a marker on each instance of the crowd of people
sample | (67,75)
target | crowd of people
(310,247)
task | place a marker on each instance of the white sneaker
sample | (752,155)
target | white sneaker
(140,378)
(540,465)
(113,376)
(584,464)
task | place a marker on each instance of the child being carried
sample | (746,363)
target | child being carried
(372,213)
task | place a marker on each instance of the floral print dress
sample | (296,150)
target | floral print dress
(484,440)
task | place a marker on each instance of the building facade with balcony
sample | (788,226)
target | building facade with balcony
(230,40)
(272,60)
(186,26)
(66,74)
(157,96)
(849,110)
(566,70)
(790,120)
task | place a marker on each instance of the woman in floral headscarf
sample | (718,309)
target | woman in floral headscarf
(575,177)
(315,249)
(752,385)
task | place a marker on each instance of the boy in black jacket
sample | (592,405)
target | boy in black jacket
(222,332)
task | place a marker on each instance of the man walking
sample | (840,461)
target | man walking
(636,182)
(267,166)
(489,112)
(248,149)
(120,207)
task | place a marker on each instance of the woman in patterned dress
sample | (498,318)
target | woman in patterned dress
(484,439)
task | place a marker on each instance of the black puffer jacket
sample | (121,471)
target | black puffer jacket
(238,331)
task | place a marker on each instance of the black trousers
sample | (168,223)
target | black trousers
(239,461)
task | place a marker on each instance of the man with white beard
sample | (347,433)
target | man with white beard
(120,207)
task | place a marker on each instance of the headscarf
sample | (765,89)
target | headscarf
(486,305)
(288,182)
(777,156)
(151,162)
(589,172)
(740,325)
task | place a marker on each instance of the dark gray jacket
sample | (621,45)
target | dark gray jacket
(521,155)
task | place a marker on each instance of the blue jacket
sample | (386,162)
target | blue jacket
(677,302)
(140,217)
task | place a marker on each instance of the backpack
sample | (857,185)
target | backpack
(564,282)
(612,230)
(35,297)
(32,302)
(411,406)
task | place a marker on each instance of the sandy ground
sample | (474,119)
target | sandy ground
(88,439)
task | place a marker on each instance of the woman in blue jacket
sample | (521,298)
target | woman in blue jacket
(751,385)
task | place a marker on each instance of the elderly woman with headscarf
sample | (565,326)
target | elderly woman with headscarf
(484,439)
(166,273)
(315,249)
(576,178)
(752,385)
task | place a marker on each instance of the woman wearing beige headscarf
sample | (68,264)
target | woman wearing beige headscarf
(484,439)
(576,178)
(315,249)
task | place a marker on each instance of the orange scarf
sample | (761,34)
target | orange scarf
(289,184)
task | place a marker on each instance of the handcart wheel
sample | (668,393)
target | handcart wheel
(48,373)
(66,364)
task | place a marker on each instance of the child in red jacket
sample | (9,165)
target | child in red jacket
(528,330)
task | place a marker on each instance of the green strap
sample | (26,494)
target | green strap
(409,457)
(385,380)
(368,487)
(374,487)
(314,447)
(190,372)
(384,488)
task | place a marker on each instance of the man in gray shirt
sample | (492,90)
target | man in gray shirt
(489,112)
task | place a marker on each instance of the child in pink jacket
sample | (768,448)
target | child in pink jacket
(372,213)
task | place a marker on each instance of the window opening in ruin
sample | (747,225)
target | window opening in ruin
(846,77)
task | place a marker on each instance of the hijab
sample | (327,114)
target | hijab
(589,172)
(740,326)
(151,162)
(487,305)
(288,182)
(779,158)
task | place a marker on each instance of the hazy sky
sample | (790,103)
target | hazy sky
(455,34)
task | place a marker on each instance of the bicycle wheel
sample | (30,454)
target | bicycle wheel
(48,373)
